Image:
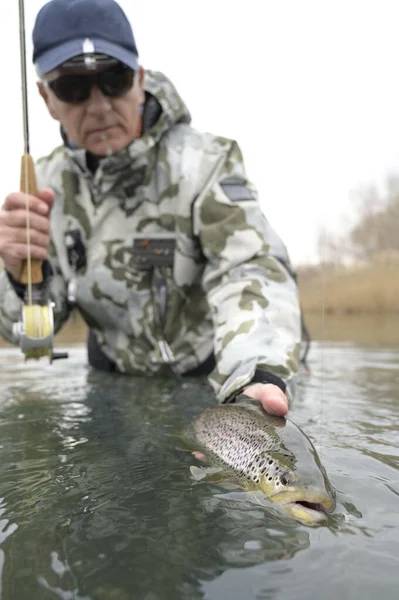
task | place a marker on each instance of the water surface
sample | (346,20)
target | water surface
(97,503)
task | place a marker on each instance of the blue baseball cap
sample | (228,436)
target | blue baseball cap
(65,29)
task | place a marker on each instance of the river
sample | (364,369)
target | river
(97,502)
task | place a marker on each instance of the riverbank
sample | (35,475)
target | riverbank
(361,304)
(357,290)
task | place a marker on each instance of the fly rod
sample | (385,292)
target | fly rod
(36,330)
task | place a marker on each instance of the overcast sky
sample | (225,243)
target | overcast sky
(308,88)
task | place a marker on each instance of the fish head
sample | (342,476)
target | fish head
(296,480)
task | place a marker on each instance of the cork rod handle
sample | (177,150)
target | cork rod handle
(29,186)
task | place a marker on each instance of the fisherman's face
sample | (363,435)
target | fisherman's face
(101,124)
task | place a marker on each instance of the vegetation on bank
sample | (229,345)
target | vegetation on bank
(357,289)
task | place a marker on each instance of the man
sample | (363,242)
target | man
(155,233)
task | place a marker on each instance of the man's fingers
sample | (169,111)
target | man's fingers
(272,398)
(13,227)
(17,218)
(19,236)
(19,252)
(47,196)
(18,200)
(275,406)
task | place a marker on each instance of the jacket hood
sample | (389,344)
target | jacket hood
(161,92)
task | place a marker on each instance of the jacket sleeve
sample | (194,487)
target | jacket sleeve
(252,294)
(12,293)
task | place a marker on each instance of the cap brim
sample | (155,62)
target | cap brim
(55,57)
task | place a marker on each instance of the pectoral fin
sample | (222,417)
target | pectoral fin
(197,473)
(209,474)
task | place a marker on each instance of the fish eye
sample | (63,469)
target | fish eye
(284,480)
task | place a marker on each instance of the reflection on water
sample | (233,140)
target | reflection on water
(96,499)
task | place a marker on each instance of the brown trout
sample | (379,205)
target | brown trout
(263,453)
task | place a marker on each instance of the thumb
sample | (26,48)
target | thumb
(48,196)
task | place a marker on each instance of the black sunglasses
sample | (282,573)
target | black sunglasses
(75,89)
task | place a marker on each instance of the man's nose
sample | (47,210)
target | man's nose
(98,102)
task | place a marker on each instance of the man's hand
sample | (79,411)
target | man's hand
(273,400)
(13,234)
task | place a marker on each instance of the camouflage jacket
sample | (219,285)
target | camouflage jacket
(179,260)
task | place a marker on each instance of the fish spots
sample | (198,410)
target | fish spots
(239,439)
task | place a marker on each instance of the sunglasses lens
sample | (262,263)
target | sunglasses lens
(115,82)
(74,89)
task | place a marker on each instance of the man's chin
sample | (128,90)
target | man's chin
(106,143)
(106,147)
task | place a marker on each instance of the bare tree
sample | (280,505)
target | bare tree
(377,228)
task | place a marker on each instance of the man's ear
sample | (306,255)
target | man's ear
(141,76)
(45,95)
(140,79)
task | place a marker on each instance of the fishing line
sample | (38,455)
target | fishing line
(28,241)
(323,307)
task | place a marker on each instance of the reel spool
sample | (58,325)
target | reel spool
(35,332)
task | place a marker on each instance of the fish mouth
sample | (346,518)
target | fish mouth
(315,506)
(306,512)
(308,509)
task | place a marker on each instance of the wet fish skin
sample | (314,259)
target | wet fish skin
(261,452)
